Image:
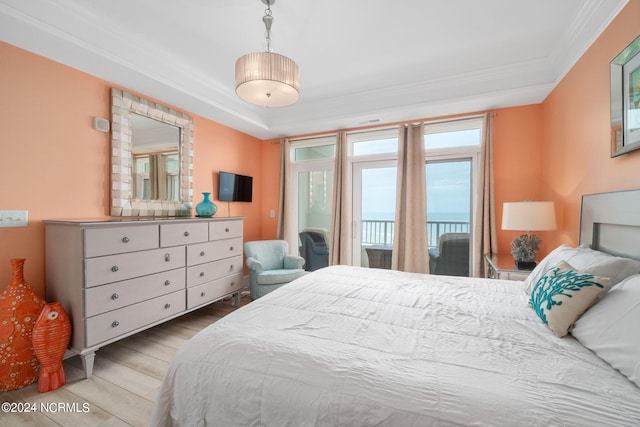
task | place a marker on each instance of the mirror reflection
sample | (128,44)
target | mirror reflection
(152,176)
(156,160)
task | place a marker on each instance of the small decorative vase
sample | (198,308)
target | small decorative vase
(206,208)
(50,337)
(19,308)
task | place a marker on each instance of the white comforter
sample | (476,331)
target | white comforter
(346,346)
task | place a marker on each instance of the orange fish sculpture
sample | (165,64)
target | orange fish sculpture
(51,334)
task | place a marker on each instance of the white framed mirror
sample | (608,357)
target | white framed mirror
(625,100)
(151,158)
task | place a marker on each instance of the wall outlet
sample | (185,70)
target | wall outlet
(14,218)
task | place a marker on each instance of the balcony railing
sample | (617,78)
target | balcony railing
(380,232)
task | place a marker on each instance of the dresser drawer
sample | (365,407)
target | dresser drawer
(118,322)
(114,268)
(115,240)
(100,299)
(224,229)
(183,233)
(211,291)
(202,273)
(212,251)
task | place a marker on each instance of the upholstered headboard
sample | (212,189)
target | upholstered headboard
(610,222)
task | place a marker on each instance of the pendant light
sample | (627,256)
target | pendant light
(266,78)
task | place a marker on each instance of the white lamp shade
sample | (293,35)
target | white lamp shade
(528,216)
(267,79)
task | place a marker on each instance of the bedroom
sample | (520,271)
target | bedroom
(554,150)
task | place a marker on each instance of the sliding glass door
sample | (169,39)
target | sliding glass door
(374,206)
(312,173)
(449,199)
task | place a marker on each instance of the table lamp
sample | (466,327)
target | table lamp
(527,216)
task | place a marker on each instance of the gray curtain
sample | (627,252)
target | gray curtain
(410,244)
(485,240)
(340,248)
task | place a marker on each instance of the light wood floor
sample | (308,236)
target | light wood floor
(125,381)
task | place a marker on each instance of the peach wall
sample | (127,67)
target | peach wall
(53,163)
(217,148)
(576,130)
(517,157)
(270,156)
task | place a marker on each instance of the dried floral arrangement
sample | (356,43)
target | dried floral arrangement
(525,247)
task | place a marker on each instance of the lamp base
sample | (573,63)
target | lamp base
(525,265)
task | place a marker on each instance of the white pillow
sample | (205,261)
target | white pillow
(611,328)
(586,260)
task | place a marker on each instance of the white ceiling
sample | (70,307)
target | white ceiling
(361,61)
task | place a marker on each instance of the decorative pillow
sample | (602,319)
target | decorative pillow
(563,294)
(611,328)
(586,260)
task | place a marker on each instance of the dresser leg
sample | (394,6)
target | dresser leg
(87,363)
(236,299)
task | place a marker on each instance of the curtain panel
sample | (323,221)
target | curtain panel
(410,244)
(286,224)
(485,239)
(341,245)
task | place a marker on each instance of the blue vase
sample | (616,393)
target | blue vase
(206,209)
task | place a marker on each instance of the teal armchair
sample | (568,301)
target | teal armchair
(270,266)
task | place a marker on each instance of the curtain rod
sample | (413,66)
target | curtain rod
(492,114)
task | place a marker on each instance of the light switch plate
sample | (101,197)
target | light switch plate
(15,218)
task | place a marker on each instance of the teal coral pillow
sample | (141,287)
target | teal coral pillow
(563,294)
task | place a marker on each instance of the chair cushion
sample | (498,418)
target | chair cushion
(273,277)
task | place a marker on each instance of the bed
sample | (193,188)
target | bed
(350,346)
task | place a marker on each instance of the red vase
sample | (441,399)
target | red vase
(19,307)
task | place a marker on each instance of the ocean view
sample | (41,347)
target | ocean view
(432,216)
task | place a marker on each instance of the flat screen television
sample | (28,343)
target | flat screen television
(234,188)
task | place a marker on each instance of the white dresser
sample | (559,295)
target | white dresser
(117,278)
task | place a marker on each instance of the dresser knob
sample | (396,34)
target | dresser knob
(125,239)
(115,324)
(202,253)
(167,257)
(186,234)
(115,296)
(167,282)
(231,248)
(114,268)
(202,274)
(167,305)
(232,283)
(202,294)
(231,267)
(226,229)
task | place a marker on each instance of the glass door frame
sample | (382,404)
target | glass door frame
(357,168)
(471,154)
(306,166)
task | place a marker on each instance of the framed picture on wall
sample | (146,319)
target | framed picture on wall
(625,100)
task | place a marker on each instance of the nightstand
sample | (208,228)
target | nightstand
(503,267)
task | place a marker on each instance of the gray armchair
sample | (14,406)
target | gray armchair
(452,256)
(314,250)
(270,266)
